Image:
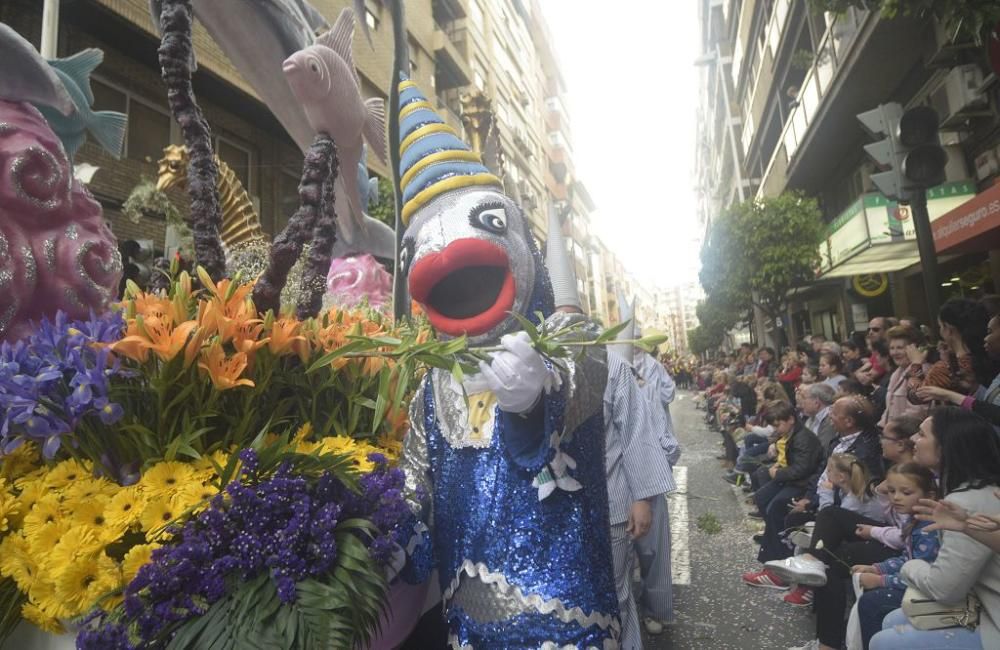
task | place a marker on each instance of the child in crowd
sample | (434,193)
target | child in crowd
(810,375)
(906,485)
(849,476)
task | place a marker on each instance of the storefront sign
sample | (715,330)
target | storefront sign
(971,219)
(874,220)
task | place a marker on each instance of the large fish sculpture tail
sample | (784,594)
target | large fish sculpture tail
(107,127)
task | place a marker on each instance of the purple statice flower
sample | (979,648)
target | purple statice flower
(55,378)
(283,526)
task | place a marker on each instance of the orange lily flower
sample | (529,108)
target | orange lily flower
(285,338)
(224,371)
(165,341)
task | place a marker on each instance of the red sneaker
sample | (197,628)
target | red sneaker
(765,578)
(800,596)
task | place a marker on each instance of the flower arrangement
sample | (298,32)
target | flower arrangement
(184,434)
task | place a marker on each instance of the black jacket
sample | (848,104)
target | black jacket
(804,454)
(866,448)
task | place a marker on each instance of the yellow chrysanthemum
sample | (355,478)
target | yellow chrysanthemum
(45,511)
(47,536)
(34,615)
(205,470)
(82,583)
(304,432)
(91,488)
(43,595)
(17,563)
(135,559)
(90,514)
(125,508)
(30,494)
(37,476)
(195,495)
(166,479)
(66,473)
(339,445)
(9,506)
(77,543)
(157,514)
(19,462)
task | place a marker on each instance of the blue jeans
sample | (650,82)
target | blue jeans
(874,606)
(898,634)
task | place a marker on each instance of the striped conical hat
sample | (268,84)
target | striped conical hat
(433,159)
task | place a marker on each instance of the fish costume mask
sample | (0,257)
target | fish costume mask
(515,501)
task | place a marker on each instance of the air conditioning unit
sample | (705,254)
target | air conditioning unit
(959,97)
(987,164)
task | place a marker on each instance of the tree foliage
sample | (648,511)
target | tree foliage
(756,252)
(968,18)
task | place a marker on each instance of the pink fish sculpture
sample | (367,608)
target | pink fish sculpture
(325,81)
(357,278)
(56,251)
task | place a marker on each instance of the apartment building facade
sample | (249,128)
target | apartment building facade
(785,101)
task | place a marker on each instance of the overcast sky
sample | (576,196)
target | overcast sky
(632,96)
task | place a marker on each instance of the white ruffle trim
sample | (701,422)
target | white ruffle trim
(609,644)
(552,606)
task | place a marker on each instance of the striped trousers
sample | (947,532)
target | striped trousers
(655,597)
(622,552)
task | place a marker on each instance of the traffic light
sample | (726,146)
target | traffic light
(911,149)
(137,260)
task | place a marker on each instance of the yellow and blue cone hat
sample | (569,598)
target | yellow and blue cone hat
(433,159)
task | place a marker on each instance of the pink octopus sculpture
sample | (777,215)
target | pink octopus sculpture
(355,278)
(56,251)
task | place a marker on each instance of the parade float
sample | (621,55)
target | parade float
(213,464)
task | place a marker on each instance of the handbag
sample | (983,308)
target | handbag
(925,613)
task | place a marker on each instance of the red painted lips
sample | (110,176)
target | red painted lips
(467,288)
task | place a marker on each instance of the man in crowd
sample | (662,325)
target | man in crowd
(815,401)
(655,596)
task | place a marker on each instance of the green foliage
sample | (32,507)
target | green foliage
(700,340)
(756,252)
(11,600)
(966,19)
(147,201)
(384,209)
(708,523)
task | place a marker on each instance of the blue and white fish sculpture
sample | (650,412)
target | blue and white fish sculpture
(106,127)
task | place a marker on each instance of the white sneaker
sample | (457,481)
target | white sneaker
(652,625)
(800,569)
(812,645)
(800,538)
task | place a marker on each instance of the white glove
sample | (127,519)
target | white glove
(518,374)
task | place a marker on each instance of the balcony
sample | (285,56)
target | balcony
(858,52)
(452,70)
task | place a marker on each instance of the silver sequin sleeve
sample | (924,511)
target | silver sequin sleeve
(414,460)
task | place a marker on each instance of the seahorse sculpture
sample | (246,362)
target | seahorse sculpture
(240,221)
(243,239)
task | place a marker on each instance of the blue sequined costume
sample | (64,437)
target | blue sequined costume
(517,571)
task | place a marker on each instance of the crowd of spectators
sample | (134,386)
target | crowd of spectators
(873,467)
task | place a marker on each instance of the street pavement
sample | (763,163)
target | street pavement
(715,611)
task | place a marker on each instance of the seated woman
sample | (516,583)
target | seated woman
(964,450)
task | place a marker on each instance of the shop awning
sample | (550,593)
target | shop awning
(882,258)
(874,235)
(972,226)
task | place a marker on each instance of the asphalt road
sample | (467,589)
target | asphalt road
(715,611)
